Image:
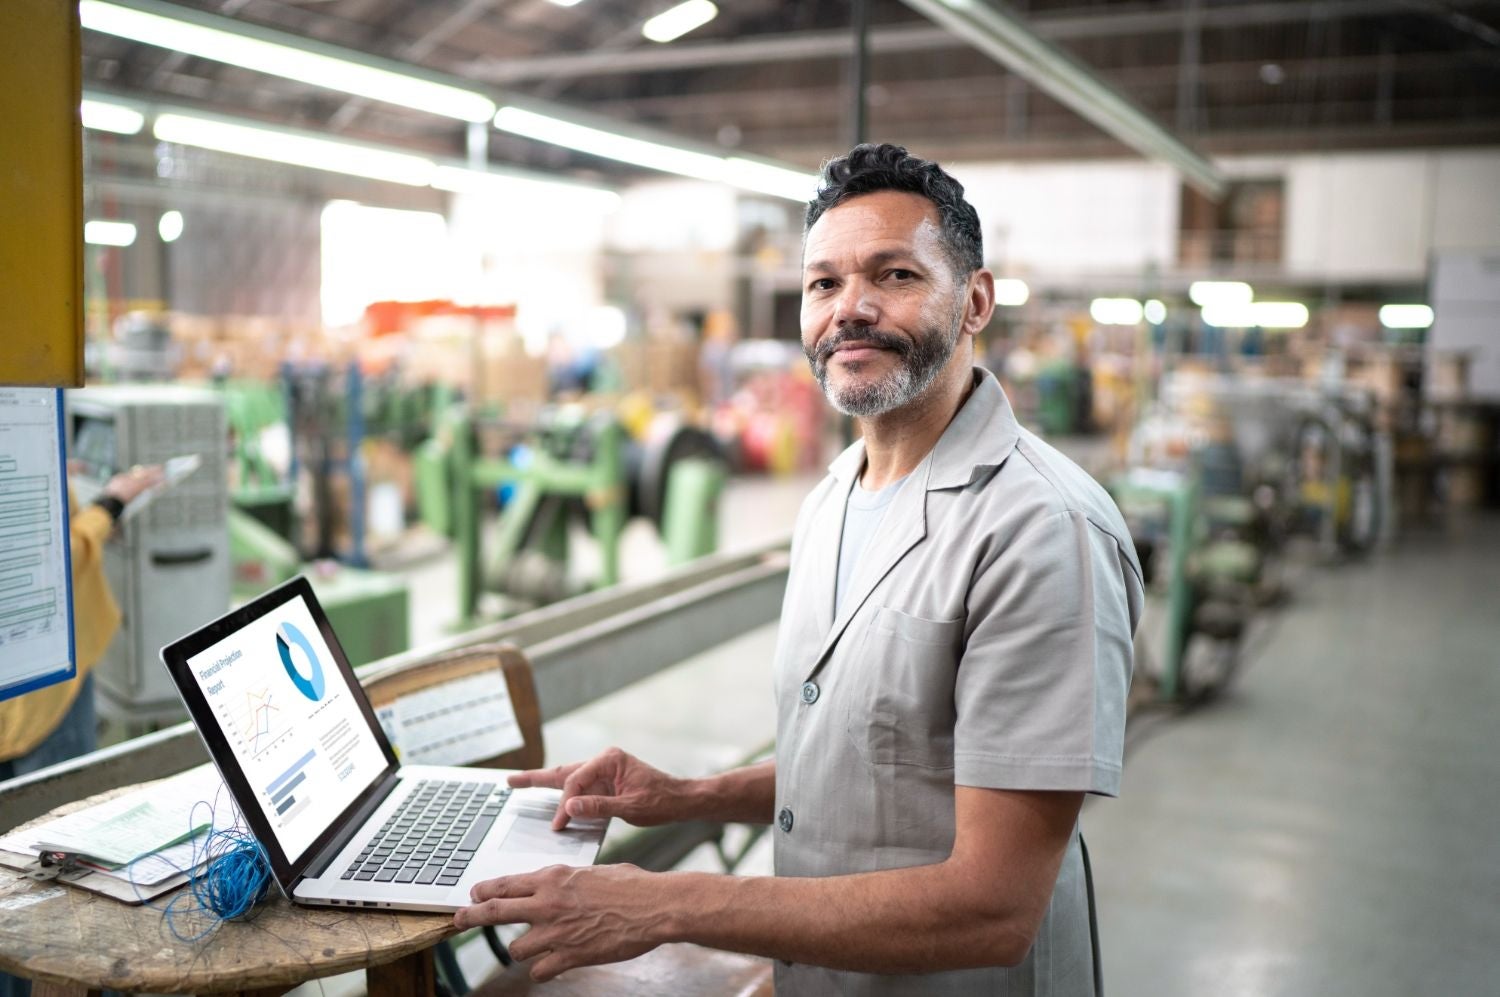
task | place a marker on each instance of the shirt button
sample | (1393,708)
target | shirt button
(810,692)
(784,819)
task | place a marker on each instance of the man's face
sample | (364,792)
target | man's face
(881,307)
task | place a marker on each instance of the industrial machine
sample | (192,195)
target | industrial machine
(570,468)
(169,568)
(1200,563)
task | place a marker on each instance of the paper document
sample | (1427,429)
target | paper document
(173,471)
(36,587)
(453,723)
(179,805)
(121,838)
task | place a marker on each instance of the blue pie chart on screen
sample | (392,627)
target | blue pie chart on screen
(311,685)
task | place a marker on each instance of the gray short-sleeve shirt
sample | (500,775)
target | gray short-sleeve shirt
(984,640)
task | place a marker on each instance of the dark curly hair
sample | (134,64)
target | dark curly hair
(869,168)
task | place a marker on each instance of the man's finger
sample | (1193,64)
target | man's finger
(577,782)
(587,807)
(551,965)
(552,778)
(519,911)
(530,945)
(502,888)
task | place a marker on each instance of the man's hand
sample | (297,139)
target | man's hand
(578,917)
(611,784)
(127,485)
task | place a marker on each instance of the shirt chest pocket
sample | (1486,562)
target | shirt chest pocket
(900,708)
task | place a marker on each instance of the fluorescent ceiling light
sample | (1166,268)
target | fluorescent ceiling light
(285,59)
(1405,316)
(460,180)
(564,3)
(778,181)
(1257,314)
(170,226)
(1155,312)
(597,142)
(1220,292)
(1011,291)
(1115,311)
(679,20)
(102,233)
(295,149)
(748,174)
(117,118)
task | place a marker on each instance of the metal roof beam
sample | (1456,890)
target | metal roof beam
(910,38)
(1006,36)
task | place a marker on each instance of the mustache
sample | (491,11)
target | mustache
(863,336)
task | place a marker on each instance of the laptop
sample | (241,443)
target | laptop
(342,822)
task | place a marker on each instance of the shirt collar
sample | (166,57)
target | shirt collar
(981,436)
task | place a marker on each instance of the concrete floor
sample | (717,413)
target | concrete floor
(1326,827)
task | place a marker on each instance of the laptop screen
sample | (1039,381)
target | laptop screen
(298,733)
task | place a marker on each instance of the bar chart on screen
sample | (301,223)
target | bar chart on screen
(287,793)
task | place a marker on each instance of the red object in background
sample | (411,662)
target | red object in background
(385,317)
(776,421)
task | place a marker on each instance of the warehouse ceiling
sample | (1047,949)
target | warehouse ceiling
(774,79)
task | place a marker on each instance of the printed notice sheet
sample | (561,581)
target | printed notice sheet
(453,723)
(36,585)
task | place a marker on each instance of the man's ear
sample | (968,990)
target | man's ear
(979,303)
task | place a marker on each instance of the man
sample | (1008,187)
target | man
(951,666)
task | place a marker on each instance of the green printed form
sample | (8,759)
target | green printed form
(121,838)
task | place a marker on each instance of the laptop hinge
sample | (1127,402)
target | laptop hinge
(323,859)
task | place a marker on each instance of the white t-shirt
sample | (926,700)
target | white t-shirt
(862,516)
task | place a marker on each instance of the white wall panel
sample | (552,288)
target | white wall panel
(1359,216)
(1466,208)
(1109,217)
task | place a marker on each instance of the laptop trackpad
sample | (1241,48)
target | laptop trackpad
(531,833)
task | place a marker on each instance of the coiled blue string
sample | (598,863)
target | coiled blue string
(235,877)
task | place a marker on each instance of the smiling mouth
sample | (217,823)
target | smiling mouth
(856,351)
(858,348)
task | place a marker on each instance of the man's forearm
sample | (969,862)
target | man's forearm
(919,919)
(744,795)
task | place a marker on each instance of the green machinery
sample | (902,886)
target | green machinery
(368,609)
(1202,560)
(570,467)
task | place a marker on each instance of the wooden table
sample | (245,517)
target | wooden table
(72,942)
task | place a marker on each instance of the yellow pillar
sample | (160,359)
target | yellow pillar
(41,194)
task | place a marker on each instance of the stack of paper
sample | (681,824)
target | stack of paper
(135,846)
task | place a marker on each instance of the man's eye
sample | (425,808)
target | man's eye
(900,274)
(821,284)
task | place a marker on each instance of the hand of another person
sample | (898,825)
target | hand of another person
(578,916)
(611,784)
(128,485)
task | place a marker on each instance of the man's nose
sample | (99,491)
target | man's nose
(856,305)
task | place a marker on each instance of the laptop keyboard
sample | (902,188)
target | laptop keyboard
(432,836)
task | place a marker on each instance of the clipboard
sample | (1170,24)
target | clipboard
(64,868)
(36,557)
(128,885)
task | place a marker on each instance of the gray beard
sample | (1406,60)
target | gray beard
(917,366)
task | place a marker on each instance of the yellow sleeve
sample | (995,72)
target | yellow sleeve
(26,720)
(96,617)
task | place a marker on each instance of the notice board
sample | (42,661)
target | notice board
(41,194)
